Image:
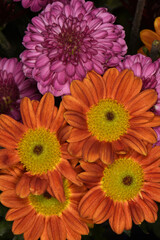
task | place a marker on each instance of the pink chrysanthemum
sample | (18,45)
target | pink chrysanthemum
(37,5)
(149,72)
(14,87)
(64,42)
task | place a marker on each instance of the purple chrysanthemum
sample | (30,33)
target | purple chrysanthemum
(149,72)
(37,5)
(64,42)
(14,86)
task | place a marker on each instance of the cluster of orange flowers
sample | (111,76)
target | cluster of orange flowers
(90,160)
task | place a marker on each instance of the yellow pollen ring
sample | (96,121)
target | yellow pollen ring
(122,180)
(39,150)
(108,120)
(50,206)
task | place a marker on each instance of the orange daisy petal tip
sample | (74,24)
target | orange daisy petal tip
(110,118)
(43,216)
(125,192)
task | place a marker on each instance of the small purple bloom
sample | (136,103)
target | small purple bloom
(64,42)
(14,87)
(37,5)
(149,72)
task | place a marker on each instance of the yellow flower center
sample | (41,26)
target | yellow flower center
(123,179)
(108,120)
(47,205)
(39,151)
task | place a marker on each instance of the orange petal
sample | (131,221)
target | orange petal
(117,220)
(7,182)
(103,211)
(36,230)
(81,92)
(127,213)
(71,103)
(37,185)
(154,123)
(58,119)
(106,152)
(92,167)
(56,229)
(136,212)
(8,158)
(14,214)
(44,113)
(109,78)
(99,84)
(149,212)
(78,135)
(153,159)
(9,199)
(6,140)
(153,190)
(142,102)
(12,127)
(35,104)
(23,224)
(90,177)
(76,119)
(157,25)
(74,223)
(88,201)
(147,134)
(141,119)
(75,148)
(56,185)
(148,36)
(68,172)
(88,84)
(125,87)
(64,133)
(27,113)
(22,191)
(91,149)
(135,144)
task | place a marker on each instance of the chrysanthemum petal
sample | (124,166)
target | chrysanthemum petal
(27,113)
(7,182)
(109,78)
(135,144)
(117,220)
(81,93)
(74,223)
(154,123)
(58,120)
(14,213)
(153,190)
(103,211)
(6,140)
(157,25)
(8,158)
(45,111)
(141,119)
(56,185)
(76,119)
(64,133)
(147,134)
(36,230)
(10,199)
(99,84)
(142,102)
(147,37)
(68,172)
(127,213)
(78,135)
(23,224)
(56,229)
(37,185)
(75,148)
(90,149)
(71,103)
(22,191)
(106,152)
(136,211)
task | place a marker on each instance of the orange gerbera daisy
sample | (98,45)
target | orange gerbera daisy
(39,144)
(109,114)
(123,191)
(43,216)
(148,36)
